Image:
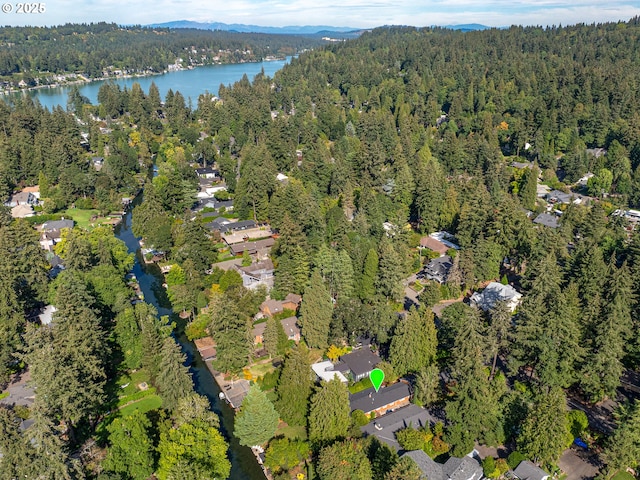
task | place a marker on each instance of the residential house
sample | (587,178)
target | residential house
(256,274)
(358,364)
(542,190)
(446,238)
(22,211)
(521,165)
(596,152)
(34,190)
(217,224)
(291,328)
(22,198)
(51,233)
(207,172)
(557,196)
(257,333)
(206,347)
(385,399)
(291,302)
(433,245)
(212,203)
(261,248)
(97,162)
(582,182)
(46,317)
(289,325)
(270,308)
(547,220)
(528,471)
(324,371)
(496,292)
(466,468)
(438,269)
(238,226)
(384,428)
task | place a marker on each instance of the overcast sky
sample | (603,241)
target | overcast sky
(351,13)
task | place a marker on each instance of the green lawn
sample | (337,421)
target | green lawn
(292,432)
(4,395)
(133,379)
(622,475)
(361,385)
(83,217)
(259,370)
(145,405)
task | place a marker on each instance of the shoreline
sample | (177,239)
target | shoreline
(86,80)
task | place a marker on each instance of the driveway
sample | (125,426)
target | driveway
(579,464)
(20,393)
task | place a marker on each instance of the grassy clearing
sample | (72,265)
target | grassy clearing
(292,432)
(361,385)
(133,380)
(622,475)
(83,217)
(4,395)
(260,369)
(152,402)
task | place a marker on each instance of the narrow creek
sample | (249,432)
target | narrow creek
(243,463)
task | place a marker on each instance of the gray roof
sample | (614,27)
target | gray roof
(528,471)
(465,468)
(218,223)
(560,196)
(241,225)
(547,220)
(56,225)
(369,400)
(430,469)
(438,268)
(359,362)
(495,292)
(386,426)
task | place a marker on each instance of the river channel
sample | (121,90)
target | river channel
(243,463)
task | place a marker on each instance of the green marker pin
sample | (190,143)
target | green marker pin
(376,376)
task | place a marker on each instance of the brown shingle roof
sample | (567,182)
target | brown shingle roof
(433,244)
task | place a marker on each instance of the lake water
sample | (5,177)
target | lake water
(190,83)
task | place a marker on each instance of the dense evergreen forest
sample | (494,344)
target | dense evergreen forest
(90,49)
(400,133)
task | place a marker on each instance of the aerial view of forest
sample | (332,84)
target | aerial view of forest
(409,255)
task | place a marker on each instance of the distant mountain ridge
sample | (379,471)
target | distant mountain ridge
(242,28)
(468,27)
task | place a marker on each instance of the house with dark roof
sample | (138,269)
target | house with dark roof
(22,198)
(260,248)
(557,196)
(207,172)
(438,269)
(52,225)
(384,428)
(237,226)
(384,400)
(547,219)
(466,468)
(358,364)
(528,471)
(217,224)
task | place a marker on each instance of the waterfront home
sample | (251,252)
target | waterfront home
(384,428)
(384,400)
(466,468)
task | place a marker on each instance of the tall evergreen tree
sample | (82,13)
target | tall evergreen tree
(390,272)
(294,386)
(173,378)
(369,276)
(345,459)
(545,432)
(623,447)
(257,420)
(329,417)
(315,312)
(414,344)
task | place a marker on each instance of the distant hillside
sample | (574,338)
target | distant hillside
(468,27)
(242,28)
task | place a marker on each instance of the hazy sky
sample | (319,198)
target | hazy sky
(352,13)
